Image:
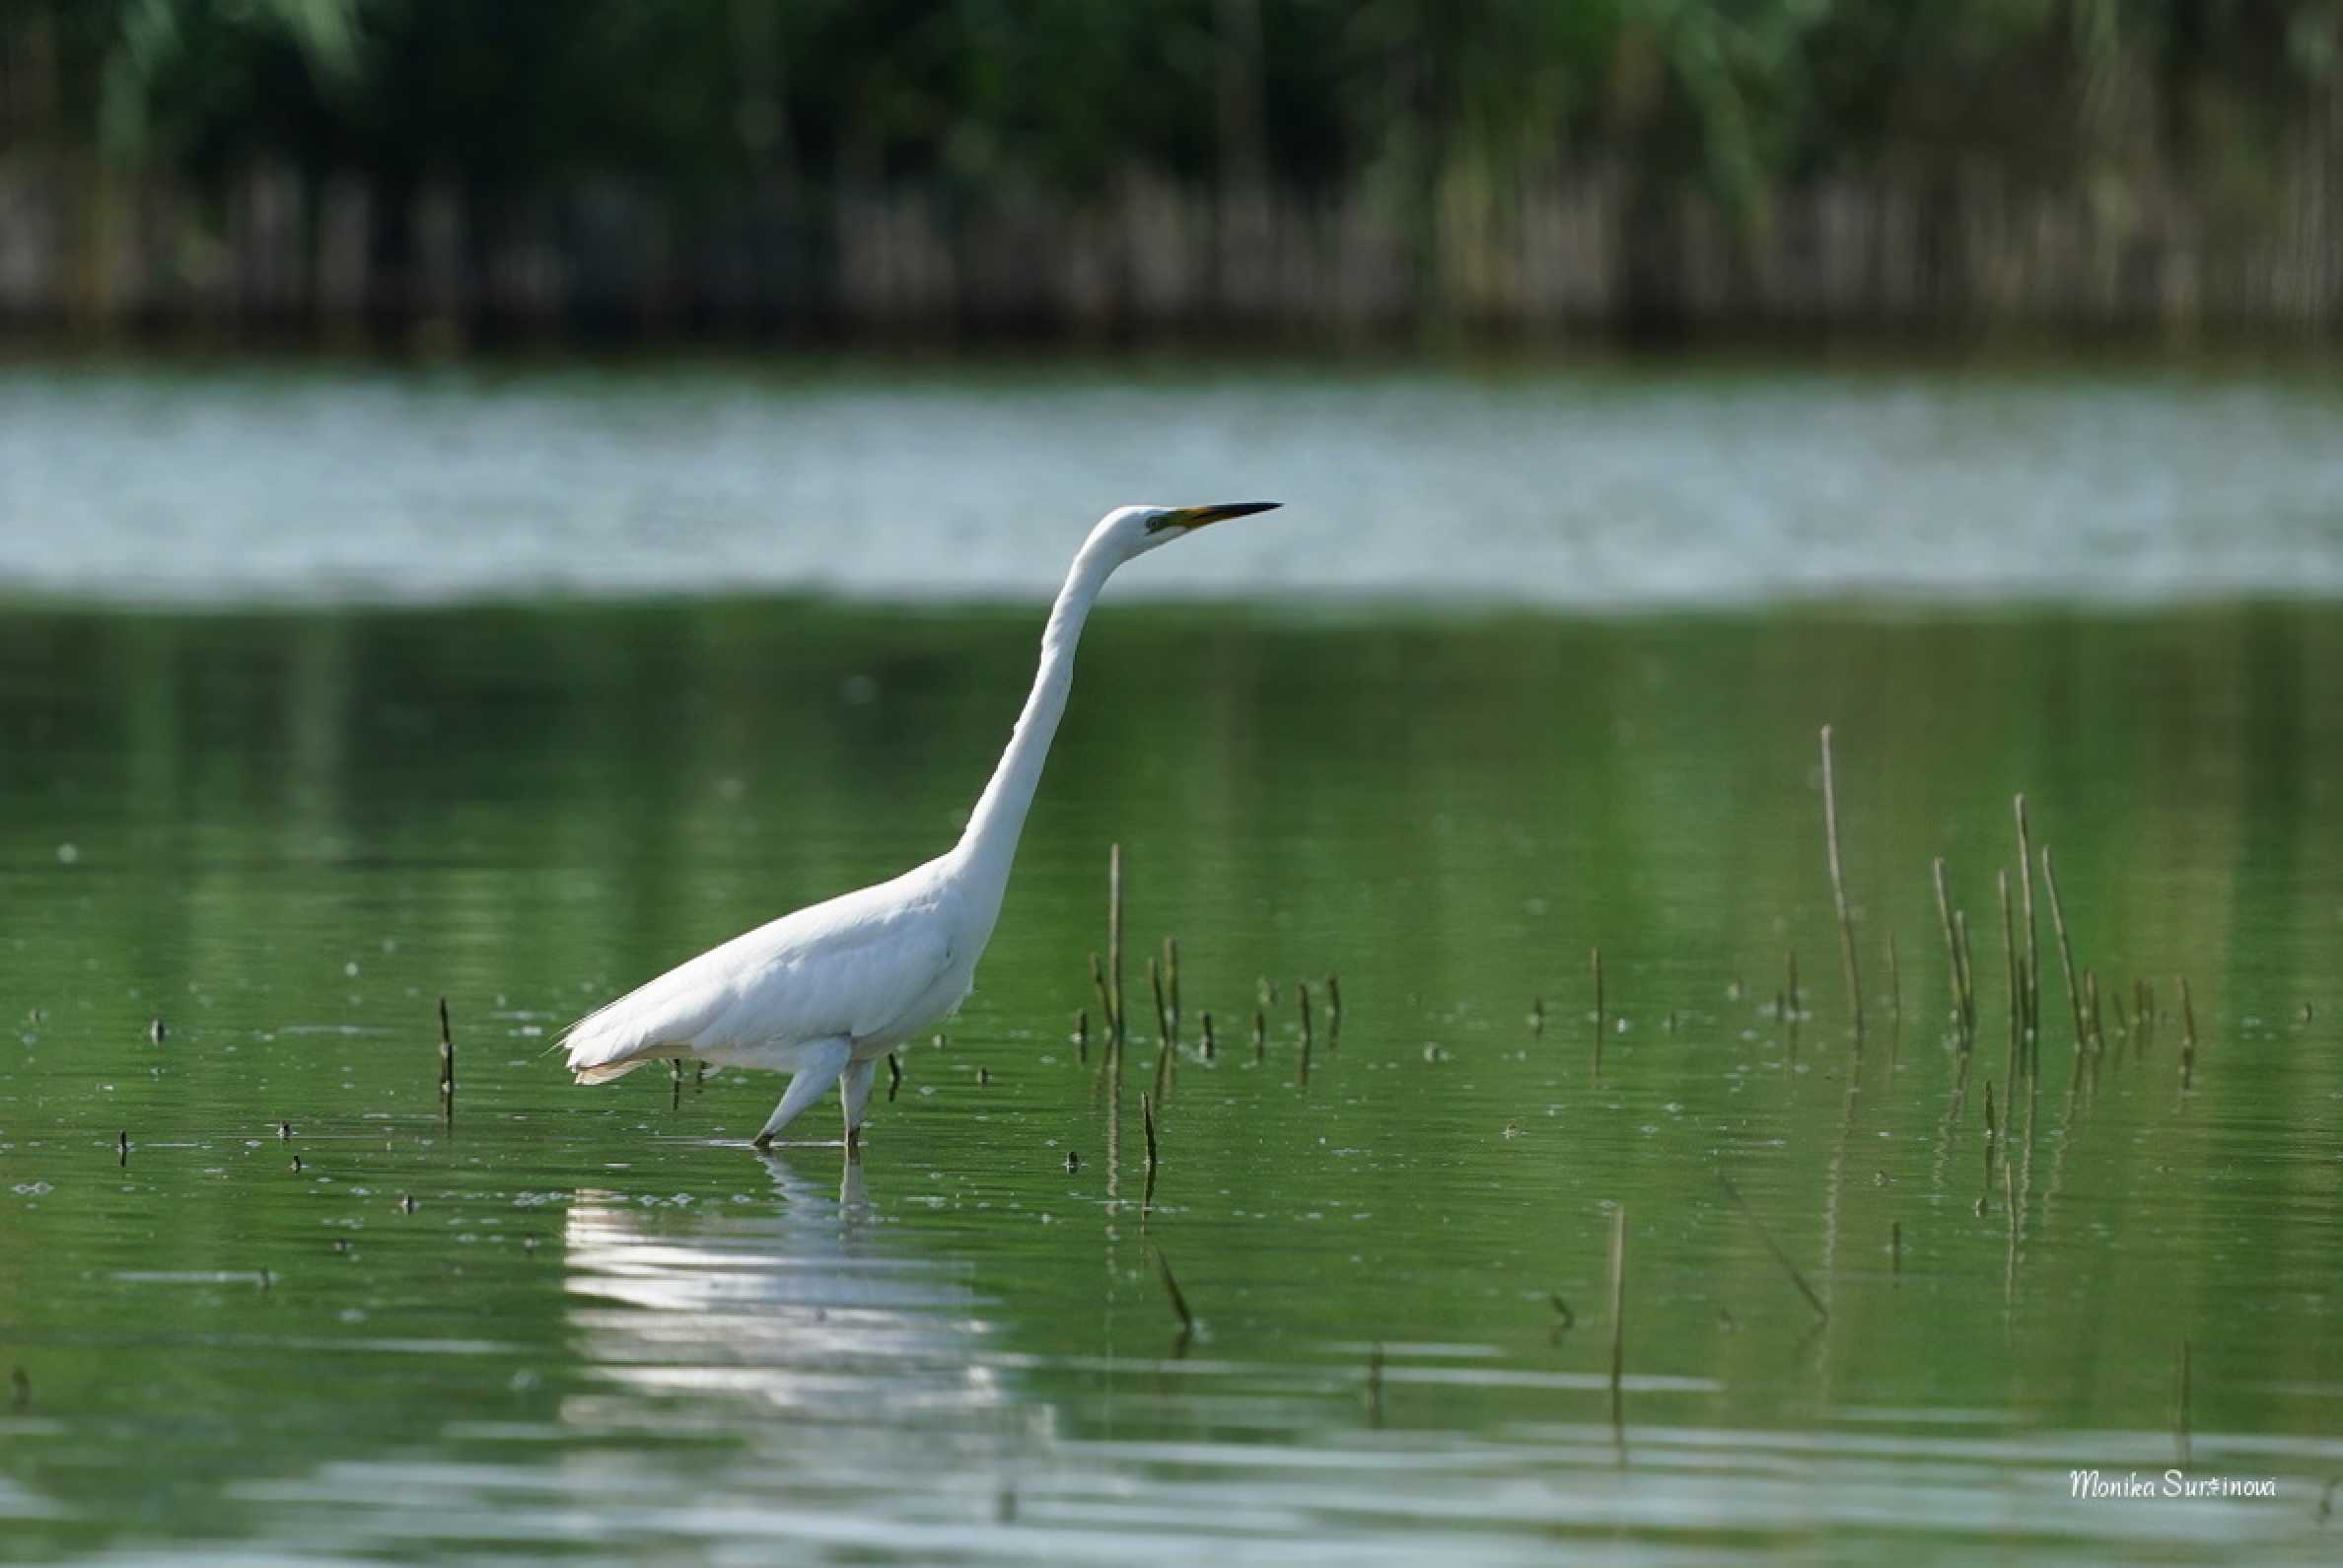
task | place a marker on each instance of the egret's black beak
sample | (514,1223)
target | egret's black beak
(1196,517)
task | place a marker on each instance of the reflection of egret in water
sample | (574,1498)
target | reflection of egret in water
(832,1365)
(804,1306)
(788,1369)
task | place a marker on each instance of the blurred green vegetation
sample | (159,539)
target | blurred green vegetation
(1065,93)
(1507,159)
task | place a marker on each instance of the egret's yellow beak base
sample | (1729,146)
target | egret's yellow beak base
(1196,517)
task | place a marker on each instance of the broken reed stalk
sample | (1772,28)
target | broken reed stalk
(1114,963)
(1618,1309)
(1155,983)
(1081,1033)
(447,1064)
(1208,1046)
(1838,890)
(1302,988)
(2033,945)
(1952,945)
(895,1077)
(1537,1017)
(1595,958)
(1260,1035)
(1334,1000)
(1895,1247)
(1146,1123)
(1773,1247)
(122,1146)
(2066,951)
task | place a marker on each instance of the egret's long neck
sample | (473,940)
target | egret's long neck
(990,843)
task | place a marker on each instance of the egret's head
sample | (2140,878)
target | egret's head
(1135,530)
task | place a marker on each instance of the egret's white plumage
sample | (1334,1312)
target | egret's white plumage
(823,993)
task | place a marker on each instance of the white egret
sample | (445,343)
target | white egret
(823,993)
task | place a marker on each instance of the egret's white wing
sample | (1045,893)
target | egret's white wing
(848,967)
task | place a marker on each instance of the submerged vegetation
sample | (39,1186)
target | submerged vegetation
(1299,166)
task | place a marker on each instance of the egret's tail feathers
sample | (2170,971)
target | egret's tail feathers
(598,1054)
(665,1019)
(607,1071)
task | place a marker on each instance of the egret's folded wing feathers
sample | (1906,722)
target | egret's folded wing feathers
(842,968)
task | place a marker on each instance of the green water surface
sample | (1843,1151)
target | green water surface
(303,1317)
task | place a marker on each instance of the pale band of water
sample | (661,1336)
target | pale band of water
(1599,487)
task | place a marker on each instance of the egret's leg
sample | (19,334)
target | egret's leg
(819,1069)
(854,1089)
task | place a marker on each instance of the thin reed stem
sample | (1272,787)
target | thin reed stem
(1172,985)
(2189,1036)
(447,1064)
(1106,1008)
(1839,889)
(1968,980)
(1952,943)
(2001,881)
(1619,1312)
(2066,951)
(2033,950)
(1114,942)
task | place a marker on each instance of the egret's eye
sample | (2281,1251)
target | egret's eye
(1164,520)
